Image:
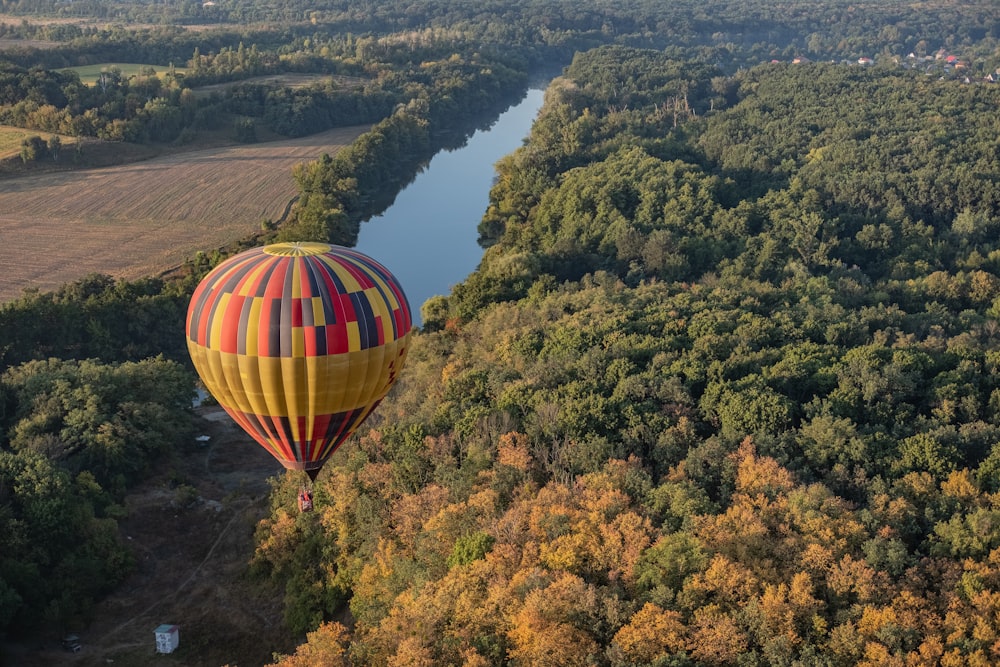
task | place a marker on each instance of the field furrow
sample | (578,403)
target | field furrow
(144,218)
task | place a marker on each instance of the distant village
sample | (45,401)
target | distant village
(942,64)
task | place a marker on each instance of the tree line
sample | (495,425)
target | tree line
(736,32)
(162,105)
(730,31)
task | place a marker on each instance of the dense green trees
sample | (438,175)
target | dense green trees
(76,434)
(722,391)
(108,421)
(97,317)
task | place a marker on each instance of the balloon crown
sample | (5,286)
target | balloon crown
(296,249)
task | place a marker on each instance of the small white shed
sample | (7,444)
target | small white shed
(167,638)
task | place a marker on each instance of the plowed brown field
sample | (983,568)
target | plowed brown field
(144,218)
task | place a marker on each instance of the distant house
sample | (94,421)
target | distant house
(865,61)
(801,59)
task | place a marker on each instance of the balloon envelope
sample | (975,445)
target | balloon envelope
(299,342)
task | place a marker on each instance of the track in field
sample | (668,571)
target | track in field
(144,218)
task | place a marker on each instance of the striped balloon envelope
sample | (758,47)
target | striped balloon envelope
(299,342)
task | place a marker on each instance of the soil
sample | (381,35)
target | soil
(191,528)
(143,217)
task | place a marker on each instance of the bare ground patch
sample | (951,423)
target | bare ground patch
(144,218)
(15,44)
(191,566)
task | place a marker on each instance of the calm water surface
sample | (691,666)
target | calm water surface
(427,238)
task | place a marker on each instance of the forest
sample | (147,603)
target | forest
(722,391)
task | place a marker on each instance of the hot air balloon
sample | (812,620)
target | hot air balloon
(299,342)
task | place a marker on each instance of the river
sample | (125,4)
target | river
(427,237)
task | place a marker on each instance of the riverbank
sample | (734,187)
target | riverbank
(428,236)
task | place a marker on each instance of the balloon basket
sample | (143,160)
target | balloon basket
(305,500)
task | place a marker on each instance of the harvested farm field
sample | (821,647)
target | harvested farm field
(144,218)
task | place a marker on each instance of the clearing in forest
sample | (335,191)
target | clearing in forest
(11,139)
(90,74)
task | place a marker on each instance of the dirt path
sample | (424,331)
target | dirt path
(178,591)
(191,566)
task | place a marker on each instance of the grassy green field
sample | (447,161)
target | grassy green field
(11,138)
(90,73)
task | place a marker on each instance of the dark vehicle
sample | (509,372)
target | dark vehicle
(72,643)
